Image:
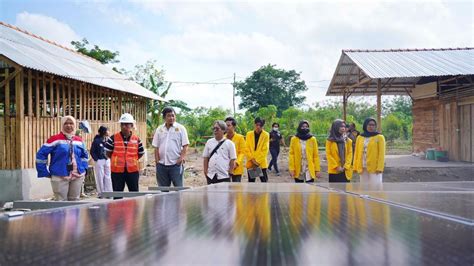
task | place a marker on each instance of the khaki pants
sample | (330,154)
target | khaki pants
(66,189)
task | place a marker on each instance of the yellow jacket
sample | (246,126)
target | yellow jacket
(240,149)
(312,155)
(334,161)
(259,154)
(375,154)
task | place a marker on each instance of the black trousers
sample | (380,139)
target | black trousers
(120,179)
(338,178)
(302,181)
(274,153)
(214,180)
(236,178)
(263,179)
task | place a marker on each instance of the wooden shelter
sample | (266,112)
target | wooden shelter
(40,82)
(439,81)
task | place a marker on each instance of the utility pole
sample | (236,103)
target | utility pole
(233,94)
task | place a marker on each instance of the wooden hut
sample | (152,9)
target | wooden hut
(41,81)
(439,81)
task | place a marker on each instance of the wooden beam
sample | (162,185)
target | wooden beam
(379,105)
(20,115)
(30,93)
(70,83)
(37,95)
(7,95)
(51,96)
(44,95)
(58,99)
(344,107)
(9,77)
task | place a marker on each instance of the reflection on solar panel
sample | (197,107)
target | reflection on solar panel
(238,224)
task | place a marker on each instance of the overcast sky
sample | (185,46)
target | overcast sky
(212,40)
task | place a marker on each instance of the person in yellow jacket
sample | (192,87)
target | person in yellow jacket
(369,158)
(339,153)
(304,162)
(258,144)
(240,147)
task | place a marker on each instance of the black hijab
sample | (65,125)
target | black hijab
(300,132)
(366,133)
(334,134)
(339,138)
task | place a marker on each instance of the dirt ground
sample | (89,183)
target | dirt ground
(194,177)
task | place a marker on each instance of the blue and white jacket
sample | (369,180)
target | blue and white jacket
(58,147)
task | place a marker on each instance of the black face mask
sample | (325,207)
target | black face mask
(304,131)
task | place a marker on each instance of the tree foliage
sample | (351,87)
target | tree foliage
(102,55)
(271,86)
(151,77)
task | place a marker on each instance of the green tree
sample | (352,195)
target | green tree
(392,127)
(102,55)
(268,113)
(271,86)
(151,77)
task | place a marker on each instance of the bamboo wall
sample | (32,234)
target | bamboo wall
(32,104)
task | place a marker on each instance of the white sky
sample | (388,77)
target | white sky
(212,40)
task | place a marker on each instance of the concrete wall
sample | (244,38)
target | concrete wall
(23,185)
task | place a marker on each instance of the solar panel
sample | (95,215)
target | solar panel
(250,226)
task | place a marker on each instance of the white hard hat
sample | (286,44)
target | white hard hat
(127,118)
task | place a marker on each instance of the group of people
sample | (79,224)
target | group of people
(116,156)
(346,151)
(116,159)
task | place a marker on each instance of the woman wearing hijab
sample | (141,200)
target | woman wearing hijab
(369,159)
(304,163)
(339,153)
(102,163)
(68,162)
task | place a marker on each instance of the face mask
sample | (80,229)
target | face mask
(304,130)
(275,129)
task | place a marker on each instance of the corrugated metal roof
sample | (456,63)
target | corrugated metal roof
(34,52)
(414,63)
(398,70)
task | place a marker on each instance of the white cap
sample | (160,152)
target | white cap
(126,118)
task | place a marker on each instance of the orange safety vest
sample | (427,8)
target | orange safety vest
(124,156)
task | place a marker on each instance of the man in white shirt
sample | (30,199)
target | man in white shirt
(219,155)
(171,143)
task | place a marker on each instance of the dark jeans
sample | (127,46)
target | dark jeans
(263,178)
(214,180)
(236,178)
(167,174)
(274,153)
(119,180)
(302,181)
(338,178)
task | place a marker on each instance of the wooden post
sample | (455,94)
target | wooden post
(20,115)
(30,93)
(70,83)
(51,96)
(344,106)
(379,105)
(8,134)
(44,94)
(37,96)
(58,99)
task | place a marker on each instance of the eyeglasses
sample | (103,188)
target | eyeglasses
(216,128)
